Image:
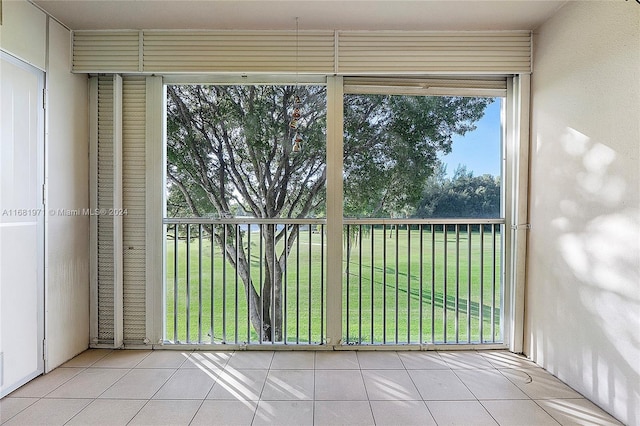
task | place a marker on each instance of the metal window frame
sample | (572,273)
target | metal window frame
(515,198)
(155,206)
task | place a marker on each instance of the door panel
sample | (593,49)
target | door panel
(21,223)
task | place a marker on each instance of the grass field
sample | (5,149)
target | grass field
(398,287)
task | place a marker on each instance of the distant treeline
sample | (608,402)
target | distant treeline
(462,195)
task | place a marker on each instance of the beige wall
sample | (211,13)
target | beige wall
(67,239)
(583,286)
(24,34)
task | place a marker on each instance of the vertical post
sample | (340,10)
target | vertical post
(175,282)
(408,284)
(397,280)
(249,225)
(334,209)
(155,161)
(360,284)
(223,250)
(481,301)
(469,259)
(199,283)
(373,276)
(118,284)
(384,283)
(285,282)
(347,283)
(519,171)
(421,291)
(187,302)
(212,284)
(494,281)
(261,234)
(456,302)
(322,282)
(93,204)
(236,282)
(309,313)
(445,283)
(433,284)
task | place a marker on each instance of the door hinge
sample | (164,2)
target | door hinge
(44,98)
(44,348)
(44,194)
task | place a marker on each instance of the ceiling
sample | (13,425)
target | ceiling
(433,15)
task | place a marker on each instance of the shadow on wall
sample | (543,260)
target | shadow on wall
(592,291)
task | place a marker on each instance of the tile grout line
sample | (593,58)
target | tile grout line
(366,391)
(83,368)
(165,382)
(529,398)
(470,391)
(500,367)
(424,402)
(550,415)
(255,412)
(34,402)
(109,387)
(313,405)
(44,396)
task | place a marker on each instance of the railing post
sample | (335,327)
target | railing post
(334,210)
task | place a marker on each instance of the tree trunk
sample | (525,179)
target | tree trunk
(265,309)
(273,283)
(257,316)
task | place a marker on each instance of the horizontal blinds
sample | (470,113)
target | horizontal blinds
(134,202)
(471,86)
(170,51)
(321,52)
(409,52)
(106,51)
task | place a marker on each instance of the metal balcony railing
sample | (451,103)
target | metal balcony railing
(229,281)
(423,281)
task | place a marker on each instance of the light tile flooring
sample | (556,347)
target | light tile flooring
(131,387)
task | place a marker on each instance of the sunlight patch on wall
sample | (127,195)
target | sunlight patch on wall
(606,254)
(596,180)
(574,142)
(604,258)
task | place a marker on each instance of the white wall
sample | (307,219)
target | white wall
(23,33)
(583,287)
(67,237)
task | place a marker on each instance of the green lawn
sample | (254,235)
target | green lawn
(396,295)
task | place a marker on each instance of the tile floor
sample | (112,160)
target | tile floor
(131,387)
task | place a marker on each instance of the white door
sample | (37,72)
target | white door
(21,223)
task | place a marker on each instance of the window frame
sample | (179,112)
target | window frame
(514,172)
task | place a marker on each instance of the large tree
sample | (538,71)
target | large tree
(391,146)
(230,147)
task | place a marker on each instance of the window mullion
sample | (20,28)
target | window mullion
(334,209)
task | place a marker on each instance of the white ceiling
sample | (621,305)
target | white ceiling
(435,15)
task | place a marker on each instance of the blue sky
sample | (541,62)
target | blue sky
(478,150)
